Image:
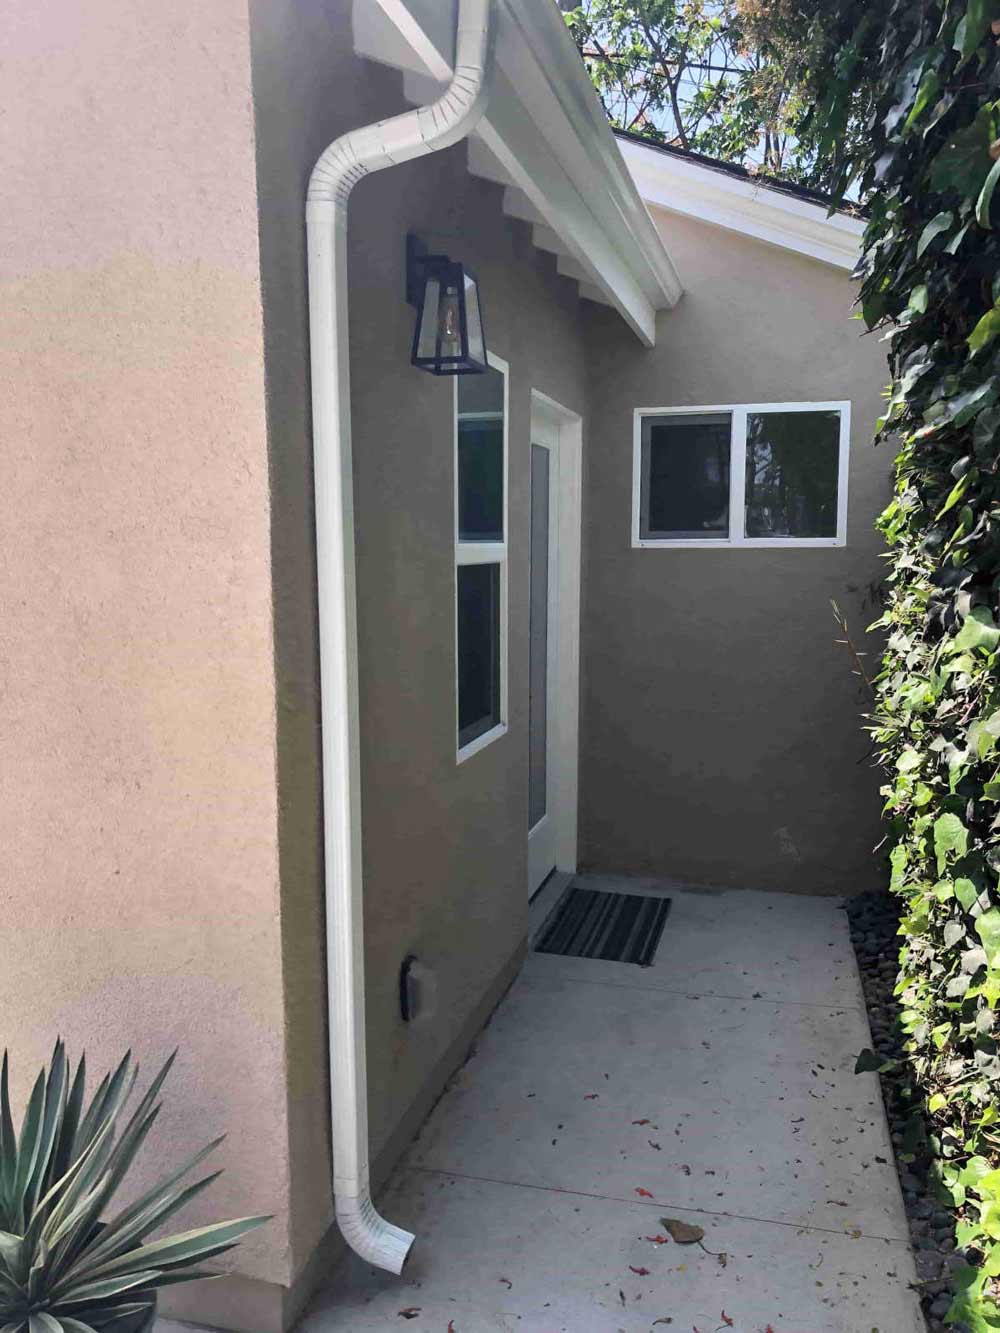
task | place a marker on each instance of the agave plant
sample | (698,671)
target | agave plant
(68,1263)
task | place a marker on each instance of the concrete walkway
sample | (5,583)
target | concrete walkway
(715,1087)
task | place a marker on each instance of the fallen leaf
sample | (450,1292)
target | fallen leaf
(684,1233)
(643,1194)
(658,1240)
(639,1272)
(410,1312)
(642,1122)
(723,1258)
(726,1320)
(591,1096)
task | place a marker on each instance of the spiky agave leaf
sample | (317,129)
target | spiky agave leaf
(63,1268)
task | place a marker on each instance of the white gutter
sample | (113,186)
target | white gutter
(337,171)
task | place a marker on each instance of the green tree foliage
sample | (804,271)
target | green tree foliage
(925,77)
(698,75)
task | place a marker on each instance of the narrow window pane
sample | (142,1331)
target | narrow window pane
(478,650)
(480,457)
(792,474)
(684,489)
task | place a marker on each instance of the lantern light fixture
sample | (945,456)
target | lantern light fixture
(448,338)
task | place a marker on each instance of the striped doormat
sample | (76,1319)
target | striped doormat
(618,927)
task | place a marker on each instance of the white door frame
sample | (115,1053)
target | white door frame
(564,435)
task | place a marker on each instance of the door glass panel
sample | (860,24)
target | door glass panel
(538,636)
(685,476)
(480,457)
(792,474)
(478,629)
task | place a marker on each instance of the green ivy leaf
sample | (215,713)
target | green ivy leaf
(964,162)
(926,92)
(966,893)
(988,930)
(975,1169)
(978,631)
(870,1063)
(986,196)
(970,30)
(939,223)
(950,838)
(953,932)
(987,328)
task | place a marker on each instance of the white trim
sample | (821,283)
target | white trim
(565,716)
(680,185)
(486,553)
(544,434)
(737,478)
(547,135)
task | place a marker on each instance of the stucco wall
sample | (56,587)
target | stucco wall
(137,789)
(721,741)
(444,846)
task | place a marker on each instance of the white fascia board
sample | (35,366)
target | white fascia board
(746,206)
(544,125)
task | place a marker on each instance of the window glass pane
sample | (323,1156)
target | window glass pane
(480,457)
(792,467)
(685,476)
(478,650)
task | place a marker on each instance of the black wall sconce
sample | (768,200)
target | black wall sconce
(448,338)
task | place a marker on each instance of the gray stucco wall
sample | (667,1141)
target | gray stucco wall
(721,739)
(444,846)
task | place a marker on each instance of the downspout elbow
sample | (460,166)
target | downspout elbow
(370,1236)
(416,133)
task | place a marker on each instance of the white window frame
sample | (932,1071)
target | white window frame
(485,553)
(737,477)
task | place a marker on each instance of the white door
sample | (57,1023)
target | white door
(543,653)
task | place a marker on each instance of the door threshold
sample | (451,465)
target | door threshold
(545,901)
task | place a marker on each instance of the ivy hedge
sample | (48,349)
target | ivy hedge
(926,75)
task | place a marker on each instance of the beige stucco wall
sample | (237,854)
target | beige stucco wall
(721,739)
(444,846)
(137,791)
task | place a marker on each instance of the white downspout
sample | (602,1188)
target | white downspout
(337,171)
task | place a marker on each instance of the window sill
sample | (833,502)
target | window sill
(727,544)
(481,742)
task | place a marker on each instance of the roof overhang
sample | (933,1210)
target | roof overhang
(682,185)
(545,138)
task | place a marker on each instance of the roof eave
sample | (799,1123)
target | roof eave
(750,207)
(547,139)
